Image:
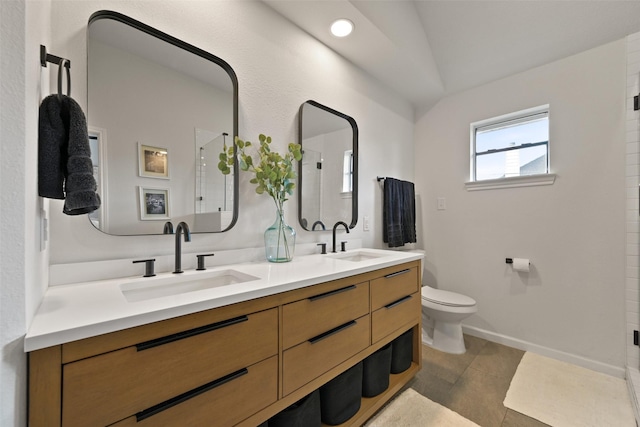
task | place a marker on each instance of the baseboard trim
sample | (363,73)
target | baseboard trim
(633,384)
(546,351)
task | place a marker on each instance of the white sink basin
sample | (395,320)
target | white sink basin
(162,287)
(356,256)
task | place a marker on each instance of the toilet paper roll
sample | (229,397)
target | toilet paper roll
(521,264)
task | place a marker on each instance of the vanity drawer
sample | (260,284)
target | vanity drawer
(302,320)
(395,315)
(224,402)
(393,286)
(138,377)
(314,357)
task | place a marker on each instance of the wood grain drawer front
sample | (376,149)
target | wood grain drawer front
(395,315)
(224,402)
(104,389)
(302,320)
(312,358)
(393,286)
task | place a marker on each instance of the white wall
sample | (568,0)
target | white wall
(573,231)
(279,67)
(23,266)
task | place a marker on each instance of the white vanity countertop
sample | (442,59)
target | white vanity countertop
(77,311)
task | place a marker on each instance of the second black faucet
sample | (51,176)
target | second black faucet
(335,227)
(183,229)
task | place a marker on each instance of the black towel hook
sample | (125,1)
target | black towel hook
(61,69)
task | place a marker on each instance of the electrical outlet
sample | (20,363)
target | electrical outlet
(442,203)
(365,223)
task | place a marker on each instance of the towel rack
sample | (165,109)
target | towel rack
(63,64)
(47,57)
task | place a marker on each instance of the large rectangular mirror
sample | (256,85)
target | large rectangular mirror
(328,171)
(159,110)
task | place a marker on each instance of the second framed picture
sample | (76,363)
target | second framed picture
(153,162)
(154,204)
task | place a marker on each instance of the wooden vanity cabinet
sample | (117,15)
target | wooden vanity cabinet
(233,365)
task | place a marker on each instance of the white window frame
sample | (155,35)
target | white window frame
(508,182)
(347,174)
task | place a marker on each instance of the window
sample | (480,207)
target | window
(347,172)
(513,145)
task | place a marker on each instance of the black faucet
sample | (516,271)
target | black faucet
(183,229)
(335,227)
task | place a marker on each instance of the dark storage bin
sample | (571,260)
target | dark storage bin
(304,413)
(340,397)
(375,372)
(402,352)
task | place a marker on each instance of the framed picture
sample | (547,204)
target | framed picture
(153,162)
(154,204)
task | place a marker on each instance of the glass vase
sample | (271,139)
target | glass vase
(279,240)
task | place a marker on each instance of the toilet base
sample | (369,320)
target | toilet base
(443,336)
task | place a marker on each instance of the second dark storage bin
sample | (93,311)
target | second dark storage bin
(402,352)
(304,413)
(375,372)
(340,398)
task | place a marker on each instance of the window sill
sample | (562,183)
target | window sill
(516,181)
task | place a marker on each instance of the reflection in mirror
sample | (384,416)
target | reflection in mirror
(166,107)
(328,171)
(214,191)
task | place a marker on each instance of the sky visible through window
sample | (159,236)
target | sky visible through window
(493,166)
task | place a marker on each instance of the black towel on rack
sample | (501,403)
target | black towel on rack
(65,170)
(52,152)
(399,213)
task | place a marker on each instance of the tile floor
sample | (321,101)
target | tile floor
(473,384)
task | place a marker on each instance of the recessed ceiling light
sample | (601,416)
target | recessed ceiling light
(341,27)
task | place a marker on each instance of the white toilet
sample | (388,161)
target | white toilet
(442,316)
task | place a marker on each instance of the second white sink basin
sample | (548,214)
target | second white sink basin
(356,256)
(161,287)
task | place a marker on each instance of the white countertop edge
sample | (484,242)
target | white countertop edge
(54,329)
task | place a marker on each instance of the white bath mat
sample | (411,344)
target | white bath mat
(411,409)
(561,394)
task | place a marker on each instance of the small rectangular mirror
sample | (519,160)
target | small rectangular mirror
(328,171)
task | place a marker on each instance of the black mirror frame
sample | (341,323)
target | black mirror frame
(354,191)
(116,16)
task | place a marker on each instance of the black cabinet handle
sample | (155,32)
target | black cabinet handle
(400,301)
(190,333)
(397,273)
(156,409)
(330,293)
(332,332)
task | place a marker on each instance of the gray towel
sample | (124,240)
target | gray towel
(64,152)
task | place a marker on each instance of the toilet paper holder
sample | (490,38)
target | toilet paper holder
(510,261)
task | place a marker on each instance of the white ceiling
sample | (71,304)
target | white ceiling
(424,49)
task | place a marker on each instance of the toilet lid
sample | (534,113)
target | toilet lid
(452,299)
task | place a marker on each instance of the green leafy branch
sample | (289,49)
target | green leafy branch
(273,173)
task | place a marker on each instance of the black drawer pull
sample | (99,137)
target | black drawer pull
(156,409)
(400,301)
(190,333)
(397,273)
(331,332)
(330,293)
